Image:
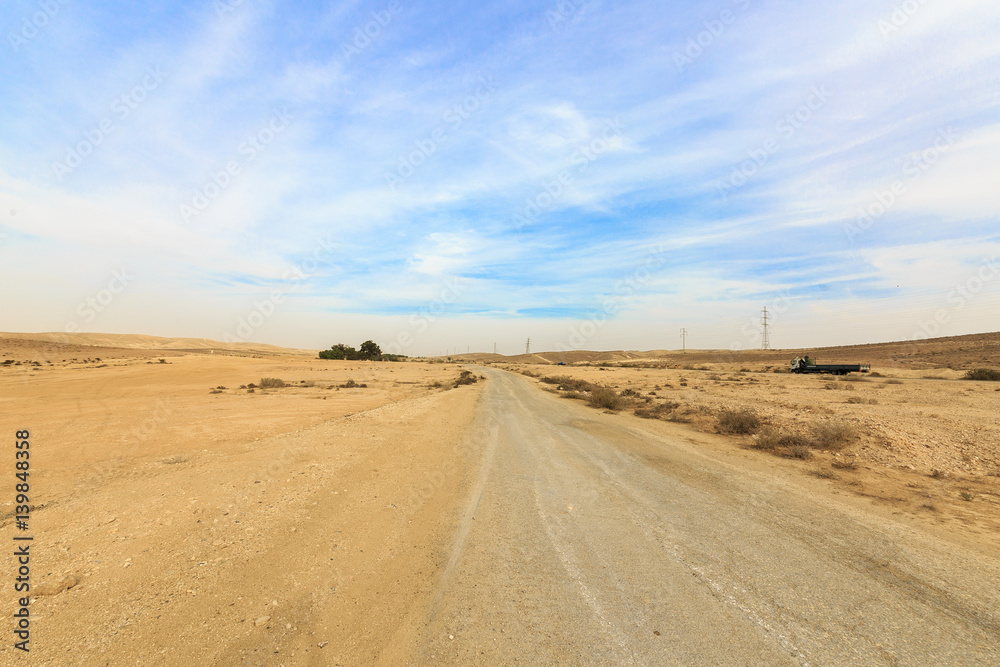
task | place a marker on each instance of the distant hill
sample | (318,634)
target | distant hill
(958,352)
(143,342)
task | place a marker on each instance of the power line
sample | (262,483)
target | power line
(766,340)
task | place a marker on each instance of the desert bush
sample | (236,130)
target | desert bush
(833,435)
(738,422)
(936,473)
(765,438)
(794,440)
(466,377)
(270,383)
(893,381)
(629,393)
(966,496)
(566,383)
(657,411)
(602,397)
(845,464)
(799,452)
(351,384)
(985,374)
(862,401)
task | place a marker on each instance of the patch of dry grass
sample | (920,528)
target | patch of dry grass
(739,422)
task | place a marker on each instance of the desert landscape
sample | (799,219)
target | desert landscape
(183,512)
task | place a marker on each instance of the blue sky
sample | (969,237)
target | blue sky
(438,176)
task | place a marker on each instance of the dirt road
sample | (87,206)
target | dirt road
(588,540)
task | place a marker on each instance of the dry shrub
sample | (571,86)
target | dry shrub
(271,383)
(833,435)
(984,374)
(602,397)
(893,381)
(659,411)
(566,383)
(845,464)
(798,452)
(739,422)
(466,377)
(858,400)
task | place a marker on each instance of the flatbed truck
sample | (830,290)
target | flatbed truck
(807,365)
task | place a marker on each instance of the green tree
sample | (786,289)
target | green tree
(339,351)
(370,350)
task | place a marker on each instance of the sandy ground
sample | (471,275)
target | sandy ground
(217,528)
(181,519)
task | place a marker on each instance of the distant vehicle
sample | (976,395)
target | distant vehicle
(561,363)
(807,365)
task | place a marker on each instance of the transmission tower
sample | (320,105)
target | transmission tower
(527,347)
(684,333)
(765,343)
(494,348)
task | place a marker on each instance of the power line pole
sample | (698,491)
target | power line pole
(684,333)
(766,340)
(527,347)
(494,348)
